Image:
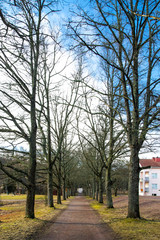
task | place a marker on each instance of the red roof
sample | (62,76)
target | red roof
(149,162)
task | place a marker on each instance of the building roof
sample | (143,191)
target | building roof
(154,162)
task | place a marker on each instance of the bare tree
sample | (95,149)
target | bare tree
(103,135)
(48,86)
(134,42)
(69,163)
(62,108)
(21,38)
(91,156)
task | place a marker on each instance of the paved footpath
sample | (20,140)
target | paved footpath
(78,222)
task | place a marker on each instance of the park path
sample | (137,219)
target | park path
(78,222)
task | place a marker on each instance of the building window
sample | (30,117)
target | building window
(154,186)
(154,175)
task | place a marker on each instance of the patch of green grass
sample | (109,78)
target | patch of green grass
(139,229)
(13,197)
(19,197)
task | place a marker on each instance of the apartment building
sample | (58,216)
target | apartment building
(149,178)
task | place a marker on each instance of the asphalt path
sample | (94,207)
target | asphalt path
(78,222)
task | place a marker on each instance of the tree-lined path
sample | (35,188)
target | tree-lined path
(78,222)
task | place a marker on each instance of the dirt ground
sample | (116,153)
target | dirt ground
(149,206)
(79,221)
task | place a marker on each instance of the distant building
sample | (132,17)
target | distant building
(149,178)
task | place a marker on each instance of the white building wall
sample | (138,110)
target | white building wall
(155,182)
(149,182)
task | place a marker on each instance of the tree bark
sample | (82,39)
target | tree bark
(49,157)
(94,188)
(59,195)
(100,190)
(32,160)
(97,190)
(64,189)
(133,187)
(30,202)
(108,188)
(50,187)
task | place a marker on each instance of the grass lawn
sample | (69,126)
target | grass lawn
(14,225)
(147,228)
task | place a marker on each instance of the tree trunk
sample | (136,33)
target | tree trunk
(100,190)
(90,191)
(94,188)
(49,155)
(59,179)
(69,192)
(133,187)
(97,190)
(72,191)
(59,195)
(111,150)
(108,188)
(115,191)
(50,188)
(30,202)
(64,189)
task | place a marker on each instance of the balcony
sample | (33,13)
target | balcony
(146,189)
(146,179)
